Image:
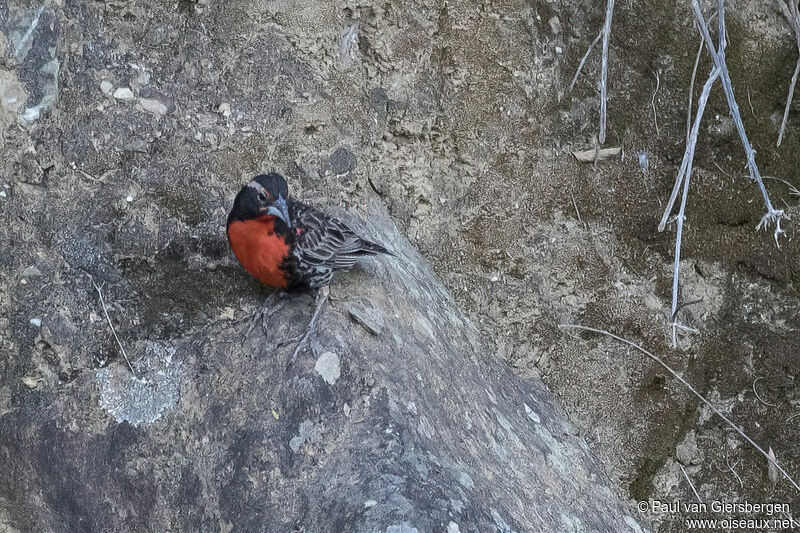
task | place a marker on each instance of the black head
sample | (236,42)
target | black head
(265,195)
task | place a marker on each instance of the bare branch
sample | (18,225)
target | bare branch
(585,57)
(691,89)
(692,390)
(653,99)
(691,83)
(686,166)
(691,143)
(690,483)
(604,72)
(718,55)
(793,18)
(110,325)
(759,397)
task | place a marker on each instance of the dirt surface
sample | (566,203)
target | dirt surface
(457,116)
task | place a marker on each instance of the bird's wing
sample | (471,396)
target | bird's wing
(326,241)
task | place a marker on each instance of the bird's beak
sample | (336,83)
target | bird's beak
(280,210)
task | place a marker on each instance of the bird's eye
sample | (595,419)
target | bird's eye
(262,197)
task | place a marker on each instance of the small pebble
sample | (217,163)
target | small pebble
(328,367)
(143,78)
(36,322)
(123,93)
(2,194)
(156,102)
(31,272)
(555,25)
(30,382)
(106,87)
(369,319)
(644,162)
(225,109)
(129,198)
(154,106)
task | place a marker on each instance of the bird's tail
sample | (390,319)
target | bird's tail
(372,248)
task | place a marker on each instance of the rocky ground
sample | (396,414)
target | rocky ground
(128,128)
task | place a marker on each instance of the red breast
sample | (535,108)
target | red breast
(260,251)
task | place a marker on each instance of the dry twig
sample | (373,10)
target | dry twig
(691,143)
(605,34)
(691,389)
(653,99)
(690,483)
(583,61)
(691,89)
(686,170)
(792,189)
(604,72)
(731,470)
(718,55)
(110,325)
(575,204)
(760,399)
(719,70)
(792,16)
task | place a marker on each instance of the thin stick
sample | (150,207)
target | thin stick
(653,99)
(792,189)
(585,57)
(690,483)
(691,389)
(691,143)
(718,55)
(793,17)
(691,83)
(687,166)
(759,397)
(730,467)
(604,72)
(87,175)
(110,325)
(690,140)
(575,205)
(789,101)
(691,89)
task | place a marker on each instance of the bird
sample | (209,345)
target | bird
(289,245)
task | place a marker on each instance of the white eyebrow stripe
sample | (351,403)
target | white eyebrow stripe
(256,186)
